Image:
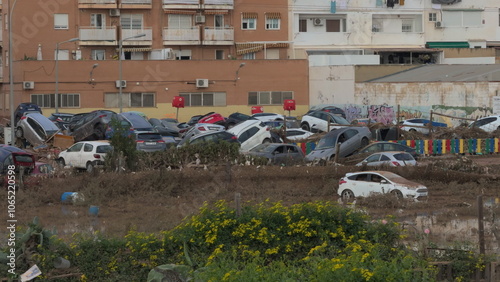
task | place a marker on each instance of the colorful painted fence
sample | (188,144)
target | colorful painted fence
(440,146)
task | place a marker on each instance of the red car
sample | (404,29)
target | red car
(214,118)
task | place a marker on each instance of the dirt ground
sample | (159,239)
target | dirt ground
(151,201)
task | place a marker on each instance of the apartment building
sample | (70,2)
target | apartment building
(340,37)
(219,55)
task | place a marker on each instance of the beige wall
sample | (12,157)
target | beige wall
(364,73)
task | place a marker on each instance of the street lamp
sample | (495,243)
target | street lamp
(238,70)
(11,79)
(120,94)
(91,80)
(57,71)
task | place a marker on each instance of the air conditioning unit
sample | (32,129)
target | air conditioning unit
(124,83)
(199,19)
(317,21)
(114,12)
(438,24)
(201,83)
(28,85)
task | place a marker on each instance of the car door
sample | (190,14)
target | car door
(317,121)
(349,142)
(86,155)
(72,154)
(246,140)
(372,160)
(293,155)
(379,184)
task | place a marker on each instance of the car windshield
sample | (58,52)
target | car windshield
(326,142)
(262,148)
(104,149)
(23,159)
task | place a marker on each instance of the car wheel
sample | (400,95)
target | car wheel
(397,194)
(89,167)
(413,130)
(231,125)
(347,195)
(61,162)
(98,132)
(364,142)
(305,126)
(266,141)
(19,132)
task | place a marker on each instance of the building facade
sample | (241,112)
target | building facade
(219,55)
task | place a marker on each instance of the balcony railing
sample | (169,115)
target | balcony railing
(176,2)
(133,32)
(90,33)
(218,34)
(177,34)
(96,1)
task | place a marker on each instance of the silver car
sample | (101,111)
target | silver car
(350,139)
(35,128)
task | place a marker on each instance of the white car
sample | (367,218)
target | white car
(366,183)
(419,125)
(294,134)
(389,159)
(85,154)
(488,124)
(315,121)
(268,116)
(251,133)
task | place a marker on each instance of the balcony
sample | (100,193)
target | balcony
(177,36)
(218,36)
(97,4)
(0,4)
(136,4)
(146,40)
(90,35)
(219,4)
(181,4)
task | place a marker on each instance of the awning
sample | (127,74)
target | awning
(216,12)
(458,44)
(133,49)
(415,50)
(273,15)
(180,12)
(249,15)
(245,48)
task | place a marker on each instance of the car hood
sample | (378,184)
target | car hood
(320,154)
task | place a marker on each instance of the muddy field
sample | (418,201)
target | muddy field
(151,201)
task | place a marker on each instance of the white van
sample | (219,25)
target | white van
(251,133)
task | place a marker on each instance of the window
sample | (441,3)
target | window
(182,54)
(62,55)
(219,54)
(268,97)
(60,21)
(180,21)
(302,25)
(407,26)
(65,100)
(432,17)
(88,147)
(462,18)
(272,24)
(249,24)
(332,25)
(200,99)
(249,56)
(98,55)
(131,21)
(98,21)
(136,100)
(219,21)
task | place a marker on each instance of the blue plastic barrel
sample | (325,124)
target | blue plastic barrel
(67,197)
(94,210)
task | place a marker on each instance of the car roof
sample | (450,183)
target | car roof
(99,142)
(389,175)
